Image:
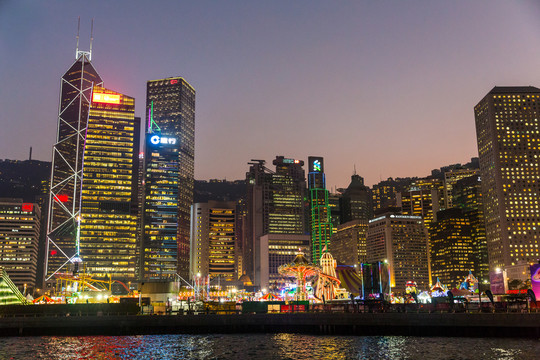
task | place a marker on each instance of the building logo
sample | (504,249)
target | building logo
(316,164)
(156,139)
(105,98)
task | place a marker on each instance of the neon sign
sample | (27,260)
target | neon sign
(106,98)
(317,166)
(291,161)
(156,139)
(27,207)
(174,81)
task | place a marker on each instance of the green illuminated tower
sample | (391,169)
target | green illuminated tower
(321,224)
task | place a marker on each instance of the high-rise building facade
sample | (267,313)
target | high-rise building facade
(402,242)
(385,193)
(467,196)
(67,168)
(274,205)
(418,201)
(276,250)
(450,179)
(321,223)
(348,245)
(159,246)
(356,202)
(213,240)
(507,130)
(170,105)
(452,248)
(108,220)
(19,237)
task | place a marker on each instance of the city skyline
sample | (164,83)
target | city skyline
(377,75)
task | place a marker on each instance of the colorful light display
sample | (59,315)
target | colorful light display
(535,279)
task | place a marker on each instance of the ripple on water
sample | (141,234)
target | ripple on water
(266,346)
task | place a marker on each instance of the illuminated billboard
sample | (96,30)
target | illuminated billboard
(316,164)
(535,279)
(106,98)
(156,139)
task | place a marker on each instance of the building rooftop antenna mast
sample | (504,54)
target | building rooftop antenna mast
(78,29)
(91,39)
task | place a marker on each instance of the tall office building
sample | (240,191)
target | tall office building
(402,242)
(108,221)
(170,105)
(507,130)
(450,179)
(274,205)
(467,196)
(159,246)
(348,245)
(385,193)
(213,240)
(67,166)
(422,198)
(321,223)
(19,237)
(452,247)
(356,202)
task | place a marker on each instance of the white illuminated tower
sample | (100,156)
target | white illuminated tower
(67,163)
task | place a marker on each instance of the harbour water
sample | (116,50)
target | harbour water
(266,346)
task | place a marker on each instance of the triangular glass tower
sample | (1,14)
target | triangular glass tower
(67,166)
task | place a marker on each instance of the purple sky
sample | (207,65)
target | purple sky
(388,86)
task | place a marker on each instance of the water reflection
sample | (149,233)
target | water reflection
(265,346)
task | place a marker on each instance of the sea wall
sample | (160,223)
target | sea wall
(412,324)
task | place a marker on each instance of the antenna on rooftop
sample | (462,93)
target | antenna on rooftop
(78,29)
(91,39)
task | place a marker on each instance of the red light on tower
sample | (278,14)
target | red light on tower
(61,198)
(174,81)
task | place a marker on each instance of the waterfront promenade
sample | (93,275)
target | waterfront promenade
(411,324)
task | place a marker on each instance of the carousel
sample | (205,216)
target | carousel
(302,270)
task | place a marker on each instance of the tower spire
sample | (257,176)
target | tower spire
(91,39)
(78,29)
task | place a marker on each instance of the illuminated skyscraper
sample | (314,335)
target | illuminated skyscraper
(467,196)
(508,134)
(452,247)
(159,249)
(108,243)
(171,103)
(19,236)
(348,245)
(384,193)
(321,223)
(402,242)
(274,205)
(67,166)
(450,179)
(424,198)
(213,239)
